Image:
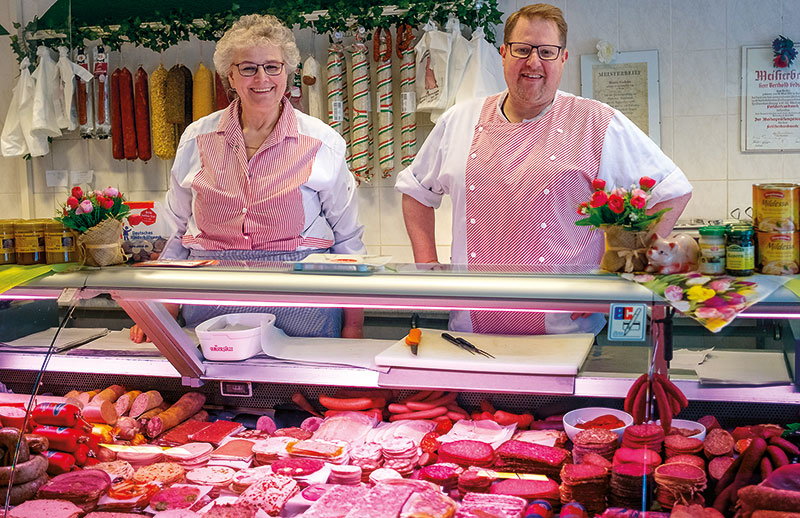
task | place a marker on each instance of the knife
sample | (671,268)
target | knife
(414,335)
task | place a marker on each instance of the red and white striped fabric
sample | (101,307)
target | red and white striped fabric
(510,169)
(295,193)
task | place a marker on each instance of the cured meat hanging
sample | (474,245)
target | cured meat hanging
(84,96)
(311,80)
(408,96)
(127,113)
(102,122)
(337,103)
(361,112)
(383,57)
(164,140)
(142,105)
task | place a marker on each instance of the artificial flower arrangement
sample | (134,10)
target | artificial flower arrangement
(622,214)
(97,216)
(784,52)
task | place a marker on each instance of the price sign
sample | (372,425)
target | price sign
(236,388)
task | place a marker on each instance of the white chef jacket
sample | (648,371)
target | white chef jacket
(439,169)
(295,193)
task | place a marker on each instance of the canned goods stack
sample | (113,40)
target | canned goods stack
(776,216)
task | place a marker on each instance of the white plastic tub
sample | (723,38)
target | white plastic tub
(234,337)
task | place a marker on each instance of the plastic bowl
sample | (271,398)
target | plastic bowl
(689,425)
(233,337)
(582,415)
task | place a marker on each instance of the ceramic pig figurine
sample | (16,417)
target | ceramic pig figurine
(675,254)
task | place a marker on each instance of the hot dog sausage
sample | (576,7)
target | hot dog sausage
(142,103)
(127,113)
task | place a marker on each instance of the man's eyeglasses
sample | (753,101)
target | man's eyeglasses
(247,69)
(523,50)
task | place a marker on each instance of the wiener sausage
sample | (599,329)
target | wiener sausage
(633,391)
(664,409)
(142,112)
(422,414)
(359,403)
(427,405)
(671,389)
(128,118)
(640,404)
(117,147)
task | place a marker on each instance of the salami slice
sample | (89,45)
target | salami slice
(718,443)
(296,467)
(467,453)
(179,497)
(528,489)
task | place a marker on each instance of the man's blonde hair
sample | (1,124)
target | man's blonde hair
(543,11)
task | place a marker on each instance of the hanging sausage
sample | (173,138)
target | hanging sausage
(408,96)
(117,146)
(202,93)
(336,93)
(383,57)
(142,112)
(128,114)
(361,111)
(102,122)
(84,96)
(164,141)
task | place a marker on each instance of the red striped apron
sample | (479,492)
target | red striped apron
(524,183)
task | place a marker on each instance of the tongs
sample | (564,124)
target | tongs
(466,345)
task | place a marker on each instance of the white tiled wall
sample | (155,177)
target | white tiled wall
(699,44)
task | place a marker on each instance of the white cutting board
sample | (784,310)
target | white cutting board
(543,354)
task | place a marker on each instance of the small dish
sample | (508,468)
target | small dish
(582,415)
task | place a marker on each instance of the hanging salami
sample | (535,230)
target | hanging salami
(383,57)
(336,94)
(408,96)
(127,112)
(83,96)
(117,146)
(142,105)
(102,124)
(361,112)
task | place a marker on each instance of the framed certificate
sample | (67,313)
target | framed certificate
(629,84)
(770,102)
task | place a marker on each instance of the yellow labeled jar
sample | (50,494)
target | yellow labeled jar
(7,251)
(60,243)
(29,242)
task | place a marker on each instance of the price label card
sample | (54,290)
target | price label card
(627,322)
(236,388)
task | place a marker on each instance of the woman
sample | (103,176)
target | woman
(262,181)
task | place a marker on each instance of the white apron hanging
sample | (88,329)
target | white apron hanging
(457,63)
(12,141)
(37,143)
(432,55)
(44,121)
(484,73)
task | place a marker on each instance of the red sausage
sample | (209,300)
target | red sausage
(117,150)
(631,395)
(142,112)
(358,403)
(422,414)
(128,114)
(783,444)
(766,467)
(301,401)
(777,456)
(58,414)
(222,100)
(82,98)
(397,408)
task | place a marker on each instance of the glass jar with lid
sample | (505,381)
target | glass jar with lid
(60,243)
(712,250)
(740,250)
(29,241)
(7,250)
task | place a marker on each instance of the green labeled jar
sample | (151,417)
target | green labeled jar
(29,241)
(740,251)
(7,251)
(60,243)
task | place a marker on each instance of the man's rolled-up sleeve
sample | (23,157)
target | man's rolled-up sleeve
(422,179)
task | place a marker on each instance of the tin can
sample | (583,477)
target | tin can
(776,207)
(29,241)
(60,243)
(778,253)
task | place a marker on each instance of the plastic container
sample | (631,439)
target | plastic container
(740,251)
(60,243)
(712,250)
(29,242)
(7,252)
(234,337)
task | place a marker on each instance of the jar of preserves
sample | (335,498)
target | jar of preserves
(712,250)
(60,243)
(740,250)
(29,241)
(7,251)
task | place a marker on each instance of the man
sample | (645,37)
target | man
(518,164)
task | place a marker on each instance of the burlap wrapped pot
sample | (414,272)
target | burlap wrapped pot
(102,244)
(626,251)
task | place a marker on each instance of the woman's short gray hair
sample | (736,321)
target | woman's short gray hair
(253,30)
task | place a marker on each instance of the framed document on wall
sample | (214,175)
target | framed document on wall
(770,102)
(629,84)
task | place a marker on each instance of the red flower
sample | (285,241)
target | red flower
(72,202)
(134,219)
(616,203)
(583,208)
(638,202)
(598,184)
(781,61)
(77,192)
(107,204)
(599,198)
(101,200)
(646,183)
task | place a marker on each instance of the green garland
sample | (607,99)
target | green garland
(163,30)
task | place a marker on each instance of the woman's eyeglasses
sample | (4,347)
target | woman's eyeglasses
(247,69)
(523,50)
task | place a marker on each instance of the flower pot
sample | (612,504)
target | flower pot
(626,251)
(102,244)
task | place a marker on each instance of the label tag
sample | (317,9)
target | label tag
(67,296)
(627,322)
(236,388)
(337,111)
